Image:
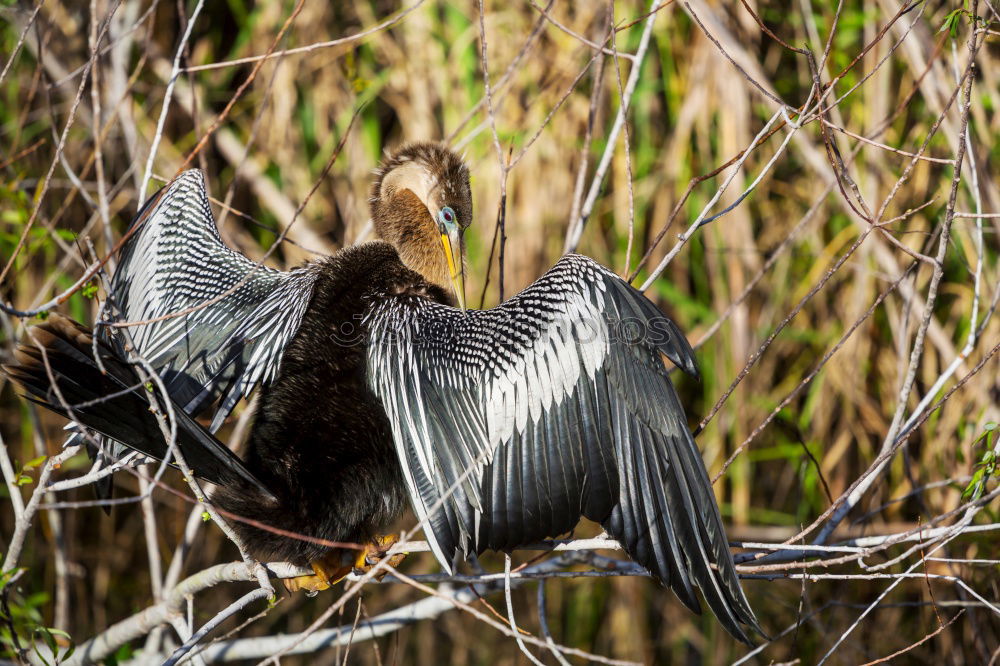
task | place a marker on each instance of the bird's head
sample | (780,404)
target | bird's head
(421,204)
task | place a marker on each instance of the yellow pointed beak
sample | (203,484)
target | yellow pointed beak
(453,246)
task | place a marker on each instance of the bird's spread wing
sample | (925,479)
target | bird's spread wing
(513,422)
(242,314)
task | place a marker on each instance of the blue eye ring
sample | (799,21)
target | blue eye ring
(447,215)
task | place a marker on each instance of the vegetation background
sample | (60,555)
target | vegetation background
(807,300)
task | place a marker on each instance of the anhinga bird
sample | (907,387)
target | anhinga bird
(501,426)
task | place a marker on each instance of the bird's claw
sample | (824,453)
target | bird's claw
(377,551)
(335,565)
(327,571)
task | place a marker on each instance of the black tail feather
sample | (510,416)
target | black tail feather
(55,365)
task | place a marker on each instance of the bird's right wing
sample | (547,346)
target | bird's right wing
(512,423)
(217,323)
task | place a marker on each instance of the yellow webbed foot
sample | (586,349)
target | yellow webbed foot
(336,564)
(375,553)
(328,570)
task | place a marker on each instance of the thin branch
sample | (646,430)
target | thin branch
(387,23)
(167,95)
(20,40)
(575,231)
(895,430)
(510,613)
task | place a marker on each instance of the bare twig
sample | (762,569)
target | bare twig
(575,230)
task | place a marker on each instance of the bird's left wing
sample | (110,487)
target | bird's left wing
(217,323)
(512,423)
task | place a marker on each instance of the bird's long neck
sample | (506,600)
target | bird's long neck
(402,221)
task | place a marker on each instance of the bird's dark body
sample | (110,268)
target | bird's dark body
(321,442)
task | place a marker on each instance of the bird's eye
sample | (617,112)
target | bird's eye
(447,215)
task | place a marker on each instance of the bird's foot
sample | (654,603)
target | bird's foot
(335,565)
(327,571)
(377,551)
